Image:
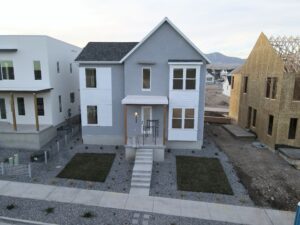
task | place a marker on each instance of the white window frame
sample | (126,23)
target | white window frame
(184,68)
(146,89)
(183,118)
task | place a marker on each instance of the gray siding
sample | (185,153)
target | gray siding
(163,45)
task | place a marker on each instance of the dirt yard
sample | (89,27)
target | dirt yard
(214,96)
(270,181)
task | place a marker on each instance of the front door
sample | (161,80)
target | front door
(146,115)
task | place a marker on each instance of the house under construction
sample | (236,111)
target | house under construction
(265,91)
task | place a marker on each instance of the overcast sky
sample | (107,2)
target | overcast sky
(227,26)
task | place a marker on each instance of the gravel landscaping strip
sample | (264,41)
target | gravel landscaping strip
(65,214)
(164,180)
(118,179)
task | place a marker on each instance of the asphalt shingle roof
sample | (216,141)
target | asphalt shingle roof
(105,51)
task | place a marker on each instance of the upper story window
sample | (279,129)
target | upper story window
(190,83)
(57,67)
(296,96)
(37,70)
(7,70)
(90,77)
(245,84)
(184,78)
(271,87)
(146,79)
(71,68)
(21,106)
(177,79)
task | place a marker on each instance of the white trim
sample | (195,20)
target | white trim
(98,62)
(142,116)
(146,67)
(185,63)
(156,28)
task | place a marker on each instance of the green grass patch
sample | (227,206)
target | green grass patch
(197,174)
(88,166)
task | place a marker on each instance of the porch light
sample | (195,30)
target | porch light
(136,115)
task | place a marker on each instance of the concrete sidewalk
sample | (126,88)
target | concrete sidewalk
(166,206)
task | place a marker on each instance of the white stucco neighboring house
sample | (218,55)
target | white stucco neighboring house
(210,79)
(39,89)
(147,94)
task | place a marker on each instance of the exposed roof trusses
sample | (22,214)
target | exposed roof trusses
(289,50)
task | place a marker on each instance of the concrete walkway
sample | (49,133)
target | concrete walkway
(166,206)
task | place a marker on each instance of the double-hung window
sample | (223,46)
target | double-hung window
(37,70)
(184,78)
(178,79)
(90,77)
(7,70)
(40,106)
(92,114)
(183,118)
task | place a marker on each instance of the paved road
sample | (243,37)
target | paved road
(159,205)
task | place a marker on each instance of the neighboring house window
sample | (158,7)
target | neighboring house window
(177,118)
(190,83)
(274,87)
(178,79)
(146,79)
(293,128)
(92,114)
(7,70)
(2,109)
(189,119)
(249,116)
(270,125)
(57,67)
(232,82)
(296,96)
(37,70)
(72,97)
(90,77)
(254,118)
(21,106)
(271,87)
(268,87)
(245,84)
(59,103)
(40,106)
(71,68)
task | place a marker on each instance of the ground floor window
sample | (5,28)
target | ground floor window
(92,114)
(293,128)
(183,118)
(270,126)
(2,108)
(40,106)
(72,97)
(254,118)
(21,106)
(59,103)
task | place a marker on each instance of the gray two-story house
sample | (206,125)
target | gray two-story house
(147,94)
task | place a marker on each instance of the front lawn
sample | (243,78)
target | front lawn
(197,174)
(88,166)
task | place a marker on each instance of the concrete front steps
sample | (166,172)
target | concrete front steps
(142,170)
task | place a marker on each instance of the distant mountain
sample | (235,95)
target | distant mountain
(219,58)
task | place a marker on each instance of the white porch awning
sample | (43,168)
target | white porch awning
(145,100)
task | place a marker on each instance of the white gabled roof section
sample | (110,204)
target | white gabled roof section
(166,19)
